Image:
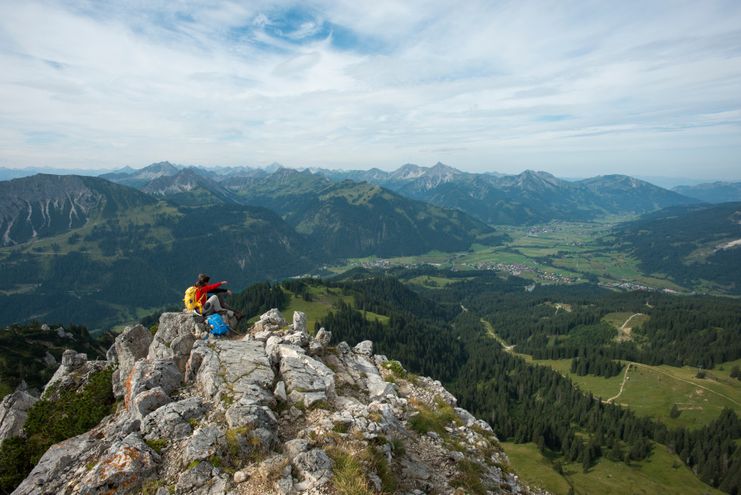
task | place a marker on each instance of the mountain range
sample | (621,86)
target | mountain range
(68,239)
(527,198)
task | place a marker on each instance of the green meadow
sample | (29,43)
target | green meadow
(661,474)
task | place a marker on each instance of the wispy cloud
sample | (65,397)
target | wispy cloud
(576,88)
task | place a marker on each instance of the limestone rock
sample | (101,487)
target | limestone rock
(13,413)
(269,321)
(148,401)
(467,418)
(181,347)
(110,354)
(52,473)
(358,370)
(294,447)
(148,374)
(300,339)
(307,379)
(170,327)
(323,337)
(73,360)
(173,421)
(201,480)
(314,469)
(299,322)
(205,442)
(130,345)
(240,477)
(122,469)
(117,384)
(365,348)
(245,413)
(280,391)
(232,369)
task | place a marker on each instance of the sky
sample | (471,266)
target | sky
(576,88)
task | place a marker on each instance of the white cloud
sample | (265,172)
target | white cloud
(486,85)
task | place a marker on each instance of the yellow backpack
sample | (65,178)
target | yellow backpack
(190,299)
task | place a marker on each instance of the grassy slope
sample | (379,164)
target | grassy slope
(662,473)
(323,299)
(652,390)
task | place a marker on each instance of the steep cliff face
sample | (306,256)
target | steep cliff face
(276,411)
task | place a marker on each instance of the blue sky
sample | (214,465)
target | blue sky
(575,88)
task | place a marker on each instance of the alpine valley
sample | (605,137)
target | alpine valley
(98,251)
(592,326)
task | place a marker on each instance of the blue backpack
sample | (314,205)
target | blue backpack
(218,325)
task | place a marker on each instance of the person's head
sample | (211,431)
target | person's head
(202,279)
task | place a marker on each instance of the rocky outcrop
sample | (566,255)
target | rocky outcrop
(130,345)
(13,413)
(275,412)
(73,373)
(176,333)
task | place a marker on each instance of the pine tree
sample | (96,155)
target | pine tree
(586,459)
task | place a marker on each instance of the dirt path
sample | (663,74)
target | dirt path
(625,332)
(490,331)
(622,385)
(630,318)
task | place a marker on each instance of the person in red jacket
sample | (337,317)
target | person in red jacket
(210,297)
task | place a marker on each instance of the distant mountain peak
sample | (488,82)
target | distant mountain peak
(440,168)
(274,167)
(408,171)
(162,166)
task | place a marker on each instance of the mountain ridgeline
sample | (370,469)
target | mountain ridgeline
(530,197)
(69,239)
(133,244)
(716,192)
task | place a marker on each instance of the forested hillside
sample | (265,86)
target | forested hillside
(143,258)
(689,244)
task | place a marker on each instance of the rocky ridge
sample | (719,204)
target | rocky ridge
(277,411)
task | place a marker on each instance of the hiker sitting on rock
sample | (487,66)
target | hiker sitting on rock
(210,297)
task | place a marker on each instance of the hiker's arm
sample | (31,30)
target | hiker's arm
(210,288)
